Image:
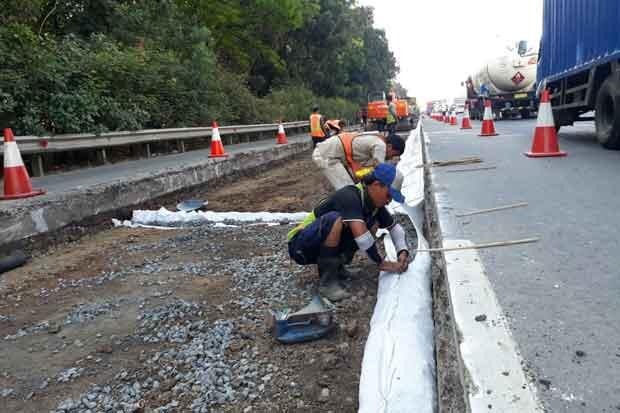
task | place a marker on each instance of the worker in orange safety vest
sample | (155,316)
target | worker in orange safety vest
(317,126)
(334,126)
(345,157)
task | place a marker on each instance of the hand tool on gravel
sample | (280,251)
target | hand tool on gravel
(310,323)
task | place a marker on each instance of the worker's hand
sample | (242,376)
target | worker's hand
(390,266)
(403,260)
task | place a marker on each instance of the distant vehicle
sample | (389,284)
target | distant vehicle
(508,81)
(580,64)
(459,105)
(378,109)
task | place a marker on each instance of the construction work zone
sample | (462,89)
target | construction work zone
(157,293)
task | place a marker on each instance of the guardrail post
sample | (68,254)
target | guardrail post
(180,145)
(37,165)
(102,157)
(147,150)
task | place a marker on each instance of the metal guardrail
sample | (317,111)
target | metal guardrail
(71,142)
(36,147)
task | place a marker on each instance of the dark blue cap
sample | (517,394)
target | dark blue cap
(389,176)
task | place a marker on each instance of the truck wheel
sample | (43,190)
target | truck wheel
(607,116)
(525,114)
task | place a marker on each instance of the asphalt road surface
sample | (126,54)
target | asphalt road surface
(562,294)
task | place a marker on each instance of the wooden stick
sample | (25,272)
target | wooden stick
(480,246)
(464,161)
(472,169)
(500,208)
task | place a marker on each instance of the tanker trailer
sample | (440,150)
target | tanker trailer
(508,81)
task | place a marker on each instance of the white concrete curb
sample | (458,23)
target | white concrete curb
(493,372)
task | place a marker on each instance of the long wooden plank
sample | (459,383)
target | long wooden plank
(500,208)
(485,245)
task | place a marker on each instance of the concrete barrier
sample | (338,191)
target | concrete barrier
(22,219)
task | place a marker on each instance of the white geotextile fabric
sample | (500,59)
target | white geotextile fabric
(398,369)
(163,216)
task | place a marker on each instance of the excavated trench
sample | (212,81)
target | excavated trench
(283,186)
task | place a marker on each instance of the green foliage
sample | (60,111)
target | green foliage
(91,66)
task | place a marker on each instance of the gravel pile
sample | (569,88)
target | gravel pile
(204,364)
(199,371)
(7,317)
(69,374)
(42,326)
(87,312)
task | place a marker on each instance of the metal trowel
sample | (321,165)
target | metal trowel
(310,323)
(191,205)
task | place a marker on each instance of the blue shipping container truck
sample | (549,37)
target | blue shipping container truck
(579,63)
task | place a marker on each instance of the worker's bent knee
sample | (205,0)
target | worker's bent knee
(304,247)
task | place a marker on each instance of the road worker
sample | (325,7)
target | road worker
(334,127)
(343,156)
(346,221)
(317,126)
(392,117)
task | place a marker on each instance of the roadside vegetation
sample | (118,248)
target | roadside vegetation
(73,66)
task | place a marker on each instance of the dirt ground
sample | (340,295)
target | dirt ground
(138,320)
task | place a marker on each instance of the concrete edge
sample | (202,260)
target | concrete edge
(36,216)
(492,367)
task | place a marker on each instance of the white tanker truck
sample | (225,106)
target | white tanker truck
(508,81)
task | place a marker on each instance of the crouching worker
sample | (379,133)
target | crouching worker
(341,157)
(347,221)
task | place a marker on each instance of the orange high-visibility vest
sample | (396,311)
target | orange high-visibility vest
(346,139)
(315,126)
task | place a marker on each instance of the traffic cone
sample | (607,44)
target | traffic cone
(453,119)
(466,123)
(281,139)
(488,127)
(16,180)
(217,148)
(545,142)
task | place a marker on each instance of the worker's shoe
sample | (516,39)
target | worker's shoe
(329,286)
(333,291)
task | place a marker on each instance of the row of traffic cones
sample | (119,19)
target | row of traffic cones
(545,140)
(17,182)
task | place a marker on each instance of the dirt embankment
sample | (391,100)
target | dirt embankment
(174,320)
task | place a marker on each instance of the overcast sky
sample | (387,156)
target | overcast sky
(438,43)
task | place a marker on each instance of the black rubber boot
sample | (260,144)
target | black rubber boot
(329,287)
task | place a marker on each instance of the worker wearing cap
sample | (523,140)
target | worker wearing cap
(334,126)
(341,157)
(317,126)
(346,221)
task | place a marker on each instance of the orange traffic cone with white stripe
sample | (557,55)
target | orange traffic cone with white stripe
(466,122)
(488,127)
(453,121)
(16,180)
(281,138)
(217,148)
(545,142)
